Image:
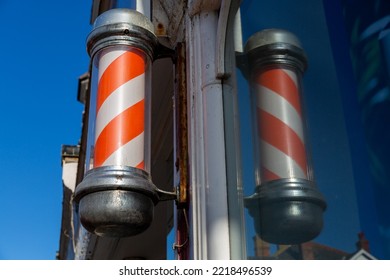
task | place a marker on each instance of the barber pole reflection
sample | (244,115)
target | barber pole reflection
(286,206)
(120,108)
(282,145)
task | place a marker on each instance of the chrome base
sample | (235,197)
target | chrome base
(287,211)
(116,213)
(116,201)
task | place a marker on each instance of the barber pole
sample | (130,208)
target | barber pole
(117,197)
(286,207)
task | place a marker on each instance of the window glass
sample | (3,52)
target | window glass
(347,165)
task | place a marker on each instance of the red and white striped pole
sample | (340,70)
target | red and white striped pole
(117,197)
(120,108)
(287,207)
(280,125)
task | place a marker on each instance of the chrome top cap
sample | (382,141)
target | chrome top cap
(122,27)
(115,16)
(271,36)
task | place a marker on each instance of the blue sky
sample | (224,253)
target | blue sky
(42,54)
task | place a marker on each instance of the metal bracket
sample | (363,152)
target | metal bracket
(162,51)
(166,195)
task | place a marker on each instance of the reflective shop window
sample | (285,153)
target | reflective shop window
(344,96)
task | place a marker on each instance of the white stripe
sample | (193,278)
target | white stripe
(107,58)
(292,76)
(280,108)
(119,100)
(130,154)
(279,163)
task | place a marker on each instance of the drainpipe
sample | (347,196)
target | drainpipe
(209,208)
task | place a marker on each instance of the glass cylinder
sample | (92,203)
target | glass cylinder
(121,101)
(279,126)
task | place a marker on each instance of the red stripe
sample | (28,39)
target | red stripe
(141,165)
(126,67)
(121,130)
(278,134)
(267,175)
(281,83)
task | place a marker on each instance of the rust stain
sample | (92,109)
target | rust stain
(182,128)
(160,29)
